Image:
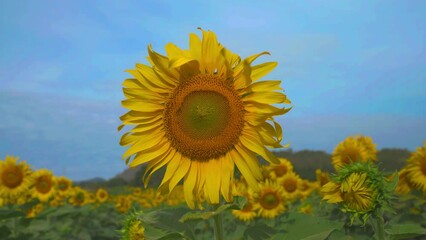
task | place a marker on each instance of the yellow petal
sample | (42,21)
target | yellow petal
(162,63)
(180,172)
(154,166)
(258,71)
(250,140)
(210,51)
(213,180)
(141,105)
(244,170)
(265,97)
(145,141)
(149,154)
(171,168)
(189,184)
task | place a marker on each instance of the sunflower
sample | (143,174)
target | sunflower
(15,178)
(245,214)
(79,197)
(322,177)
(269,201)
(404,186)
(353,149)
(198,112)
(44,184)
(291,184)
(133,228)
(280,169)
(63,186)
(101,195)
(416,168)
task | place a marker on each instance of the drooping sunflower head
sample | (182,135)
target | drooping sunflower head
(353,149)
(416,168)
(15,178)
(199,112)
(44,185)
(269,200)
(133,228)
(101,195)
(359,188)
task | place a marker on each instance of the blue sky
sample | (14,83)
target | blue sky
(349,67)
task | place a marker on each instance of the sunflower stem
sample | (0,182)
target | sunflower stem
(380,226)
(218,225)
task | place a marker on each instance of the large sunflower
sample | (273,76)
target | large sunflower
(199,112)
(416,168)
(15,178)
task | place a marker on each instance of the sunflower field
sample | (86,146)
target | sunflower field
(204,116)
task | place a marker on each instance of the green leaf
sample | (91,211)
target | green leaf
(404,231)
(259,232)
(319,228)
(4,232)
(38,226)
(10,213)
(321,235)
(391,186)
(204,215)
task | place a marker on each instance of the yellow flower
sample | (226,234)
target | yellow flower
(79,197)
(322,177)
(123,203)
(355,193)
(44,185)
(63,186)
(416,168)
(280,169)
(306,209)
(199,112)
(246,214)
(291,184)
(101,195)
(404,186)
(15,178)
(136,231)
(353,149)
(269,201)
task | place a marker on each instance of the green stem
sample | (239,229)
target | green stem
(380,226)
(218,226)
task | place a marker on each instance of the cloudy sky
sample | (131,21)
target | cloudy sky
(349,67)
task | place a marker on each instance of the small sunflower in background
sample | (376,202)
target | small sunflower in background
(247,213)
(280,169)
(291,183)
(200,112)
(15,178)
(404,186)
(269,200)
(44,185)
(101,195)
(63,186)
(79,197)
(353,149)
(360,189)
(321,177)
(416,168)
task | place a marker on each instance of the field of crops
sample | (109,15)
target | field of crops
(36,204)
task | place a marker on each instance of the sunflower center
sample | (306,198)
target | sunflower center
(12,178)
(351,155)
(63,186)
(270,200)
(44,184)
(290,185)
(204,117)
(280,170)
